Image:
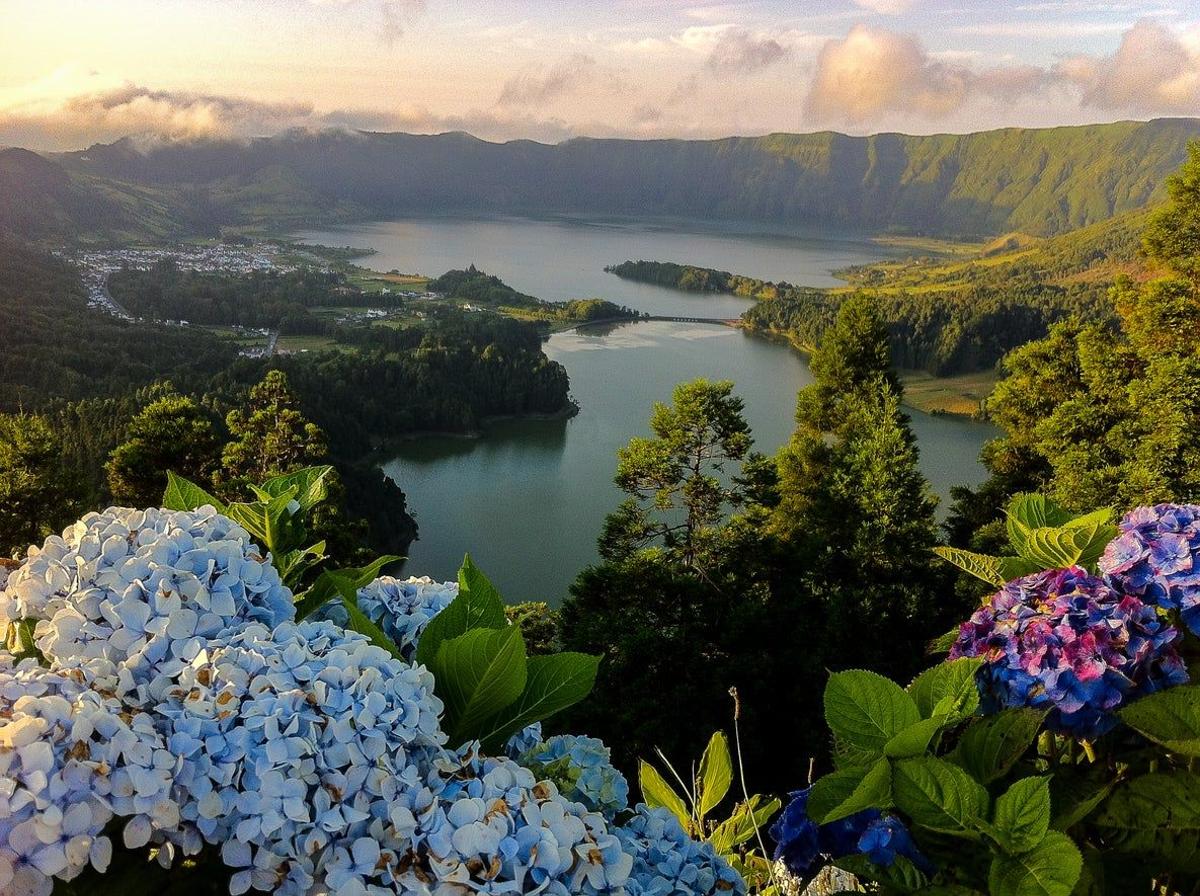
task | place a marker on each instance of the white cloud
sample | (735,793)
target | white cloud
(886,7)
(737,50)
(1153,71)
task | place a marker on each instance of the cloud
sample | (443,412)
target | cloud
(1154,70)
(395,16)
(737,50)
(886,7)
(544,85)
(873,71)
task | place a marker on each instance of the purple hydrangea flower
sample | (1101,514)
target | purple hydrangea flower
(1067,641)
(1155,557)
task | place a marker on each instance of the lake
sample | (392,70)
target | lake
(528,499)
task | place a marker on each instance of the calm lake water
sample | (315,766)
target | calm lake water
(528,499)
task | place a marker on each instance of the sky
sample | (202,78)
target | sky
(76,72)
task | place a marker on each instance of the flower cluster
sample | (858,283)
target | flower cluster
(1066,641)
(402,608)
(1156,556)
(800,842)
(667,862)
(500,830)
(582,769)
(135,595)
(183,699)
(71,759)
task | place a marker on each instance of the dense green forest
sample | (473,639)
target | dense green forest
(473,285)
(1038,181)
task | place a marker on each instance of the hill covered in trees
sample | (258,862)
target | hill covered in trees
(1038,181)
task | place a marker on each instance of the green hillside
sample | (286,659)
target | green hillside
(1033,181)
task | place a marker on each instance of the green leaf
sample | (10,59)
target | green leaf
(872,791)
(947,689)
(1170,718)
(981,566)
(915,739)
(553,683)
(477,675)
(716,773)
(1029,510)
(1074,797)
(939,795)
(478,605)
(657,793)
(1050,869)
(293,565)
(310,485)
(1068,546)
(740,826)
(342,583)
(992,745)
(831,790)
(1155,816)
(19,641)
(181,494)
(867,710)
(1022,815)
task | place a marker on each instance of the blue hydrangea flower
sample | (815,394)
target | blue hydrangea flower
(297,744)
(803,845)
(402,608)
(132,595)
(582,769)
(1066,641)
(71,759)
(1156,557)
(523,741)
(667,862)
(500,830)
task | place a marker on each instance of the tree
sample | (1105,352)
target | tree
(1109,415)
(678,484)
(172,433)
(37,496)
(270,435)
(854,506)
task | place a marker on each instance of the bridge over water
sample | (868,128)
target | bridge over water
(728,322)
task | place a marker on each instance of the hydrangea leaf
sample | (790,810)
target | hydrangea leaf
(1022,815)
(741,825)
(342,583)
(981,566)
(867,710)
(939,795)
(182,494)
(311,486)
(947,689)
(901,876)
(915,739)
(716,773)
(1074,797)
(1155,816)
(478,674)
(871,791)
(657,793)
(359,622)
(1052,868)
(553,683)
(478,605)
(1170,718)
(1030,510)
(992,745)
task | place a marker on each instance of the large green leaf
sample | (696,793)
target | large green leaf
(1022,815)
(310,485)
(992,745)
(477,675)
(716,773)
(182,494)
(1029,510)
(1074,796)
(1155,817)
(477,605)
(1049,869)
(872,791)
(915,739)
(1170,717)
(939,795)
(993,570)
(831,790)
(948,689)
(867,710)
(342,583)
(554,682)
(657,793)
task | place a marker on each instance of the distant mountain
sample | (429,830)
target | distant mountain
(1036,181)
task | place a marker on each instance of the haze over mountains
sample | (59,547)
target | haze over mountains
(1037,181)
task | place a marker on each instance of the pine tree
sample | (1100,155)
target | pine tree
(270,434)
(172,433)
(37,496)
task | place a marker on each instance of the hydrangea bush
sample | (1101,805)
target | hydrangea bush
(170,700)
(1053,753)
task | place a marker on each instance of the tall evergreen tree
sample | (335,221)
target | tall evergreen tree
(37,495)
(172,433)
(270,435)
